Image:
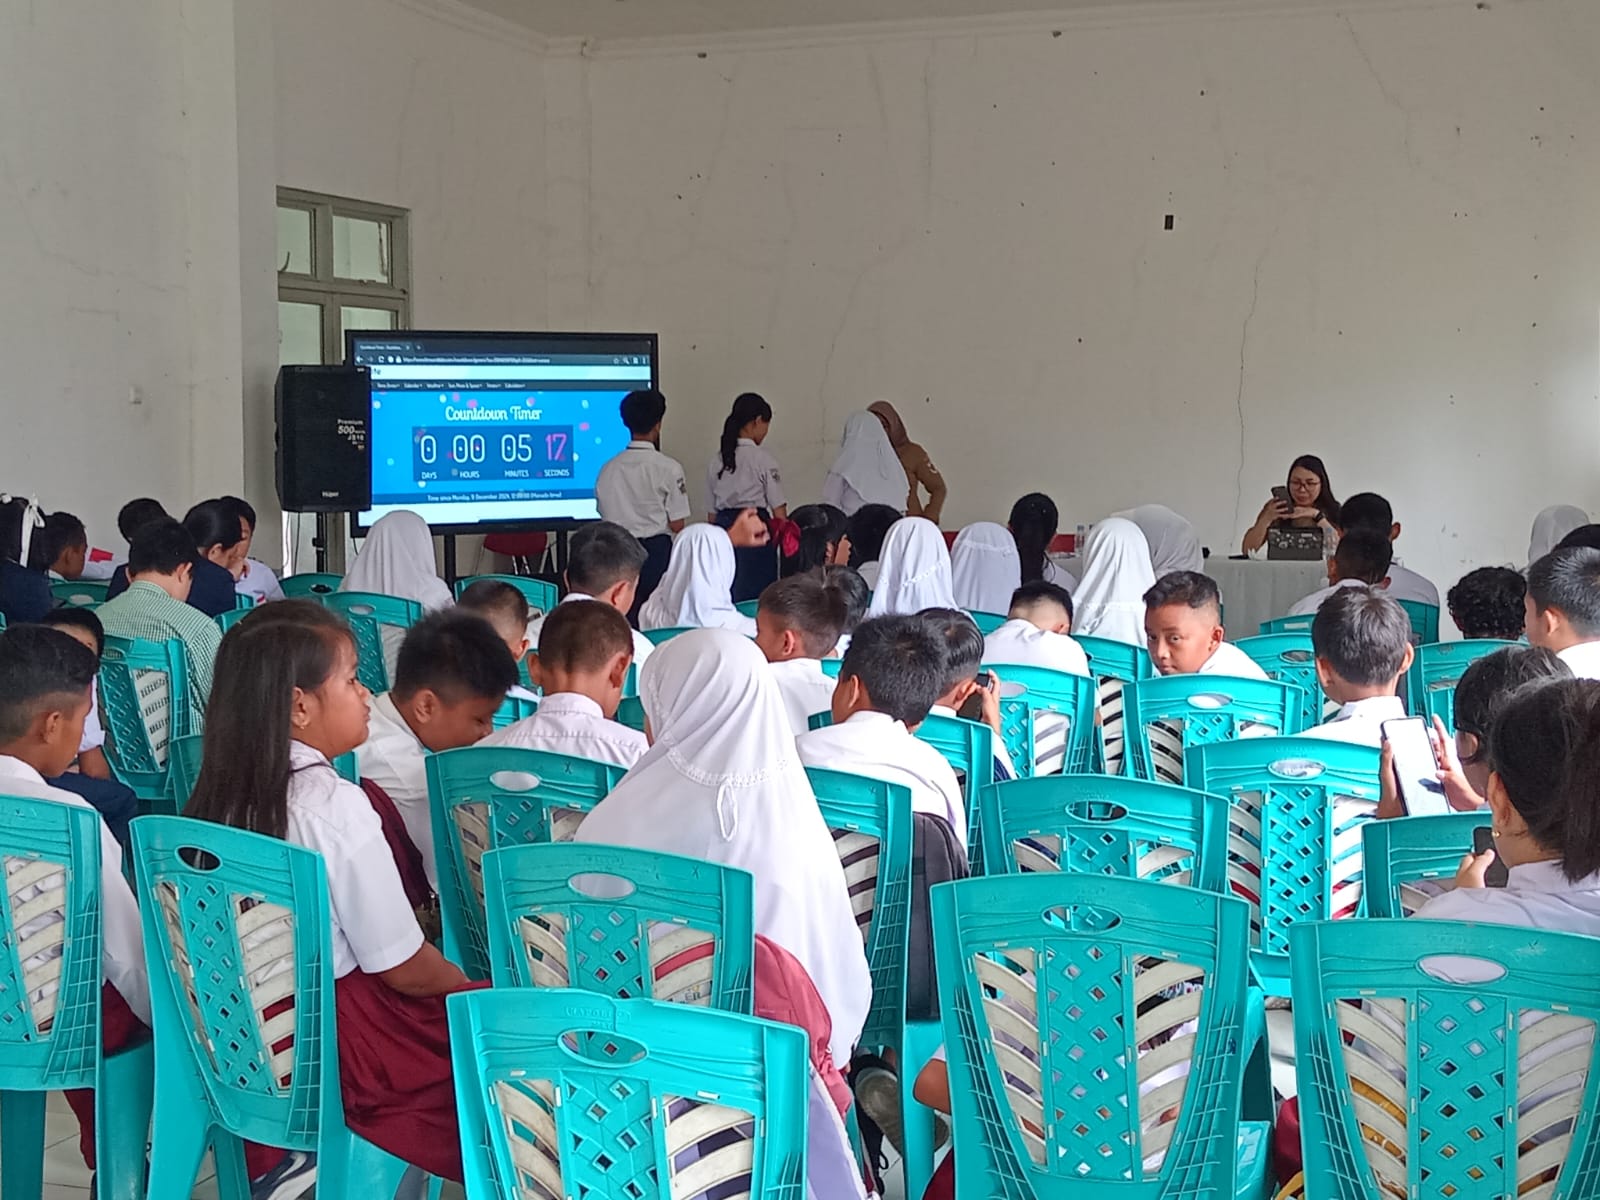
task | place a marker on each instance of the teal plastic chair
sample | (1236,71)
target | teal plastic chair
(50,1031)
(487,797)
(630,681)
(748,607)
(514,709)
(1424,621)
(312,585)
(242,602)
(1196,710)
(1471,1090)
(1435,671)
(80,593)
(1114,665)
(1296,807)
(1399,855)
(226,621)
(988,622)
(1028,692)
(968,746)
(144,701)
(185,755)
(226,1073)
(631,713)
(540,595)
(643,925)
(564,1093)
(657,636)
(1287,625)
(368,613)
(1068,1003)
(1290,658)
(830,666)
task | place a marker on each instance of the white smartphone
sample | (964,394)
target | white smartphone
(1415,766)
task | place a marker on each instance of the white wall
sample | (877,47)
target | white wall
(1386,250)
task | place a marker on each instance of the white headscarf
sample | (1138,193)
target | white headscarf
(723,782)
(868,463)
(697,590)
(1174,545)
(1550,526)
(985,568)
(1109,602)
(397,560)
(913,570)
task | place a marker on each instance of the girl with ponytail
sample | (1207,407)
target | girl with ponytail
(1033,524)
(742,474)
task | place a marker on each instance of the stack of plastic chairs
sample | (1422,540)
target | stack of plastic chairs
(541,595)
(1409,860)
(144,698)
(1036,704)
(1114,665)
(1290,658)
(311,585)
(1165,717)
(1435,671)
(369,614)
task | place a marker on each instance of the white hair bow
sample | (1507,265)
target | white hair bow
(32,518)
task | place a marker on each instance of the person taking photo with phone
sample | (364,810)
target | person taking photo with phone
(1305,500)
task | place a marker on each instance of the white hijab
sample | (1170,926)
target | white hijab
(1550,526)
(697,590)
(868,463)
(397,560)
(723,782)
(1174,545)
(985,568)
(913,570)
(1109,602)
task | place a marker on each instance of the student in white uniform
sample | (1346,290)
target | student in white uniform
(1362,560)
(1109,601)
(798,623)
(852,589)
(1550,526)
(453,673)
(697,590)
(1038,631)
(966,690)
(742,474)
(985,568)
(585,650)
(1562,609)
(888,682)
(643,490)
(257,579)
(1368,510)
(914,570)
(45,677)
(1488,603)
(603,563)
(1174,545)
(1183,629)
(865,530)
(506,609)
(867,470)
(1362,641)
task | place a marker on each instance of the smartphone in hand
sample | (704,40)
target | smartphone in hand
(1483,842)
(1415,766)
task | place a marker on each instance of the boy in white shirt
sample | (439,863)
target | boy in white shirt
(585,649)
(1562,608)
(1370,511)
(1037,631)
(1183,628)
(452,674)
(643,490)
(604,561)
(1363,559)
(506,609)
(798,622)
(257,579)
(853,590)
(967,691)
(1362,641)
(890,677)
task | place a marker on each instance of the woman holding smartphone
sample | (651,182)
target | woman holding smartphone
(1306,500)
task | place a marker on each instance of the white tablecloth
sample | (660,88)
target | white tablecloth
(1257,591)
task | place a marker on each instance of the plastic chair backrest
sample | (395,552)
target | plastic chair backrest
(637,925)
(540,595)
(1435,671)
(50,969)
(513,709)
(487,797)
(1295,811)
(367,613)
(1114,665)
(968,747)
(566,1094)
(1100,824)
(871,824)
(226,621)
(1424,621)
(657,636)
(1196,710)
(313,584)
(631,713)
(630,681)
(988,622)
(1038,704)
(1408,861)
(144,697)
(80,593)
(1070,1006)
(1290,658)
(1411,1084)
(830,666)
(185,755)
(243,602)
(748,607)
(1277,625)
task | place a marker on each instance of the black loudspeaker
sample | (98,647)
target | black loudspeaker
(324,433)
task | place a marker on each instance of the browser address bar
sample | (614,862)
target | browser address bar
(456,372)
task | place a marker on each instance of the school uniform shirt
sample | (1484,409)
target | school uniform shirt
(259,581)
(25,595)
(1228,659)
(121,938)
(1537,895)
(374,926)
(874,744)
(753,482)
(1022,643)
(1583,659)
(642,490)
(641,644)
(395,759)
(568,723)
(94,734)
(1307,606)
(1406,584)
(1361,721)
(805,690)
(146,611)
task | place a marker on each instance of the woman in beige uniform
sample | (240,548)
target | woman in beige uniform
(919,468)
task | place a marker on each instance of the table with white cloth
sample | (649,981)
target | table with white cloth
(1255,590)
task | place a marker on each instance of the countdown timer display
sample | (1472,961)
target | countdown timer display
(451,453)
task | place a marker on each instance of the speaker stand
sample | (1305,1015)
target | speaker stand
(319,542)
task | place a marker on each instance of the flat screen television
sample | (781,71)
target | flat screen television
(479,431)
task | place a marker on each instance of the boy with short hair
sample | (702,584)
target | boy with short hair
(1183,628)
(1370,511)
(966,690)
(257,579)
(452,673)
(798,623)
(1488,603)
(604,562)
(1037,631)
(60,546)
(585,649)
(1363,559)
(1562,609)
(890,677)
(506,609)
(643,490)
(1362,641)
(853,593)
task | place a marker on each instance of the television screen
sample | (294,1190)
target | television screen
(478,430)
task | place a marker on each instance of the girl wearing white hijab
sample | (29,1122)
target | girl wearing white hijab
(913,570)
(397,560)
(697,590)
(1109,603)
(722,782)
(1174,545)
(867,471)
(1550,526)
(985,568)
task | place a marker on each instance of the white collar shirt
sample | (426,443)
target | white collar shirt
(805,690)
(568,723)
(642,490)
(1583,659)
(1023,644)
(1228,659)
(1307,606)
(395,759)
(1537,895)
(754,481)
(1361,721)
(258,581)
(1406,584)
(641,644)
